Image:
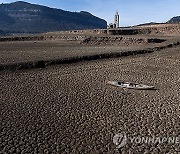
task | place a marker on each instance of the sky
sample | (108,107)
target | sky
(132,12)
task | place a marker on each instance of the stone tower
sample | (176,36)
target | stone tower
(116,20)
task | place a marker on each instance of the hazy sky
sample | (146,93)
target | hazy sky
(132,12)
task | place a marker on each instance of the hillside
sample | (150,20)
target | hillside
(174,20)
(23,17)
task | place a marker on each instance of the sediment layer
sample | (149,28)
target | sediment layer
(44,63)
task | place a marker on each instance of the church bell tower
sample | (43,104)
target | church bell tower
(116,20)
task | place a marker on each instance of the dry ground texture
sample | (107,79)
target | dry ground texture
(25,51)
(69,108)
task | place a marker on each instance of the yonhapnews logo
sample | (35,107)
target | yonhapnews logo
(121,139)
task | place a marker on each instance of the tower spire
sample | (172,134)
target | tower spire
(116,20)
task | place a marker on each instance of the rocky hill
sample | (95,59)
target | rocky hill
(174,20)
(23,17)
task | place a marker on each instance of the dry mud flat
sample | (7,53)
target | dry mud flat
(12,51)
(23,54)
(70,109)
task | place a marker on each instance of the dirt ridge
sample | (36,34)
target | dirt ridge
(93,40)
(69,60)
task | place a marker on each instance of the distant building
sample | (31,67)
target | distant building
(116,21)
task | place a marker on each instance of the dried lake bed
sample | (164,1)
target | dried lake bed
(69,108)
